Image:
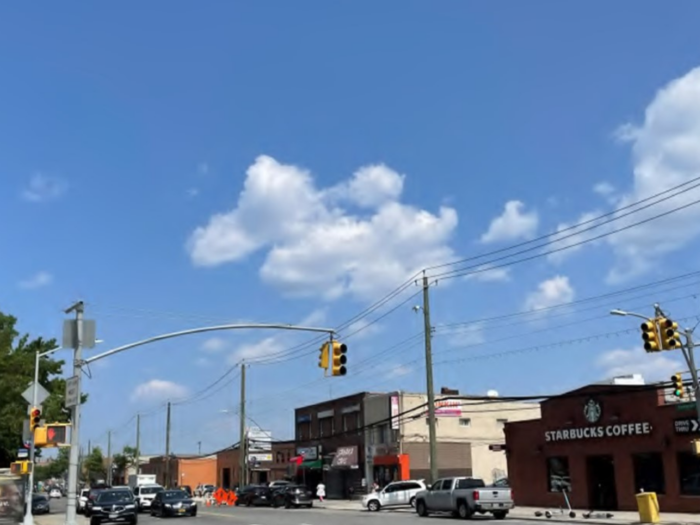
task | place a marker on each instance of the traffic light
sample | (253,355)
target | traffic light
(51,435)
(670,340)
(34,419)
(677,382)
(650,336)
(339,358)
(323,356)
(20,467)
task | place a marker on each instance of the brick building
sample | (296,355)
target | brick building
(184,470)
(604,444)
(278,466)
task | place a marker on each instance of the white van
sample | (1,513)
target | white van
(396,494)
(145,494)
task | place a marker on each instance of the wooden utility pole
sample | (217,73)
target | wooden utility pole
(138,444)
(167,449)
(109,458)
(429,380)
(242,445)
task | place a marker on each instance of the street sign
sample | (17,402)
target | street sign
(72,397)
(41,394)
(687,426)
(70,333)
(497,448)
(22,453)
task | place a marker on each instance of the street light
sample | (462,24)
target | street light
(623,313)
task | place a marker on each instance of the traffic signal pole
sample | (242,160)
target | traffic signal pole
(74,458)
(28,517)
(242,448)
(432,435)
(689,354)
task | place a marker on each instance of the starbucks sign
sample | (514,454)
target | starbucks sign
(597,432)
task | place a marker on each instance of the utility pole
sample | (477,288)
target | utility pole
(429,380)
(89,447)
(167,449)
(138,444)
(689,354)
(242,445)
(109,458)
(199,448)
(78,308)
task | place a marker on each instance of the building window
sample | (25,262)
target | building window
(689,473)
(304,430)
(465,422)
(325,427)
(558,475)
(649,473)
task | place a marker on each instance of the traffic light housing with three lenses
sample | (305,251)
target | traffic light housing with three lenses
(677,385)
(34,418)
(650,336)
(670,339)
(323,356)
(339,359)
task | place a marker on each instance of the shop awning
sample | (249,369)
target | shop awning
(316,463)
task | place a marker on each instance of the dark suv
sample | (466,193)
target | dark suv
(112,505)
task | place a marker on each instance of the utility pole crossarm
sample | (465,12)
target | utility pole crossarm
(205,329)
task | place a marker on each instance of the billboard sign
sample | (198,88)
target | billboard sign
(259,440)
(448,408)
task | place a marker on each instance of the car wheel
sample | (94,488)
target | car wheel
(373,506)
(287,505)
(463,510)
(194,513)
(412,502)
(421,509)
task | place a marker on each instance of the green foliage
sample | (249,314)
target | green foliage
(17,356)
(58,468)
(94,465)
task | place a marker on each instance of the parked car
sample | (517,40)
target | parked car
(396,494)
(279,483)
(82,500)
(145,494)
(464,497)
(187,489)
(243,494)
(255,495)
(203,489)
(40,504)
(112,505)
(290,495)
(92,496)
(55,493)
(173,503)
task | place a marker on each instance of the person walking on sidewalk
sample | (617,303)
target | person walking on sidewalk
(321,491)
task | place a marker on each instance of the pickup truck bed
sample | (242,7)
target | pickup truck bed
(464,497)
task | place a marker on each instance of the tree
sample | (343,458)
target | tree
(94,465)
(124,460)
(17,356)
(56,469)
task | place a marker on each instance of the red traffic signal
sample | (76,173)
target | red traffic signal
(34,418)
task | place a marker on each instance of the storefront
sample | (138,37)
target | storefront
(603,444)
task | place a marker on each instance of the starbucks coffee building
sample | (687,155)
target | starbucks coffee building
(603,444)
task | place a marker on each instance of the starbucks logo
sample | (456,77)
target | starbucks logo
(592,411)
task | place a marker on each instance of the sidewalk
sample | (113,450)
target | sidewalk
(50,519)
(528,513)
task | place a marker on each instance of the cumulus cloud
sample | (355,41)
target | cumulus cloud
(604,189)
(569,235)
(38,280)
(656,366)
(257,350)
(551,292)
(42,188)
(158,390)
(514,223)
(314,246)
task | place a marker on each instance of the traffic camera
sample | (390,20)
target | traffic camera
(323,356)
(339,358)
(34,419)
(670,340)
(677,383)
(650,336)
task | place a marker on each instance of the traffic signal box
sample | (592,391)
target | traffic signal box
(650,336)
(677,385)
(53,435)
(34,418)
(670,339)
(323,356)
(19,468)
(340,359)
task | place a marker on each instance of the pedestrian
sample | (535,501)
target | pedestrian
(321,491)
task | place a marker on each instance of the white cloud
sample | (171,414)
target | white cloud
(43,188)
(38,280)
(263,348)
(314,246)
(604,189)
(315,318)
(571,236)
(654,366)
(665,154)
(514,223)
(551,292)
(214,345)
(487,275)
(158,390)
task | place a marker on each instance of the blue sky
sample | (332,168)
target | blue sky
(371,141)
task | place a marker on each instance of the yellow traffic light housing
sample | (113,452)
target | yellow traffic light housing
(34,419)
(650,336)
(323,356)
(20,467)
(339,358)
(51,435)
(670,339)
(677,384)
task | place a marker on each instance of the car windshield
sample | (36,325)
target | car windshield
(174,495)
(40,497)
(151,490)
(114,496)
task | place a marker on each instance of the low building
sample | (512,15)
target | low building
(470,435)
(603,444)
(264,467)
(190,470)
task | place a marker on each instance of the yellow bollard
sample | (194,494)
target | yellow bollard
(648,507)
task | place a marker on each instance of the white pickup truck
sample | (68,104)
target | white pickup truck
(464,497)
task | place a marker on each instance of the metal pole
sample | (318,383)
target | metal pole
(109,458)
(199,448)
(429,381)
(242,448)
(693,371)
(167,449)
(138,444)
(28,518)
(78,308)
